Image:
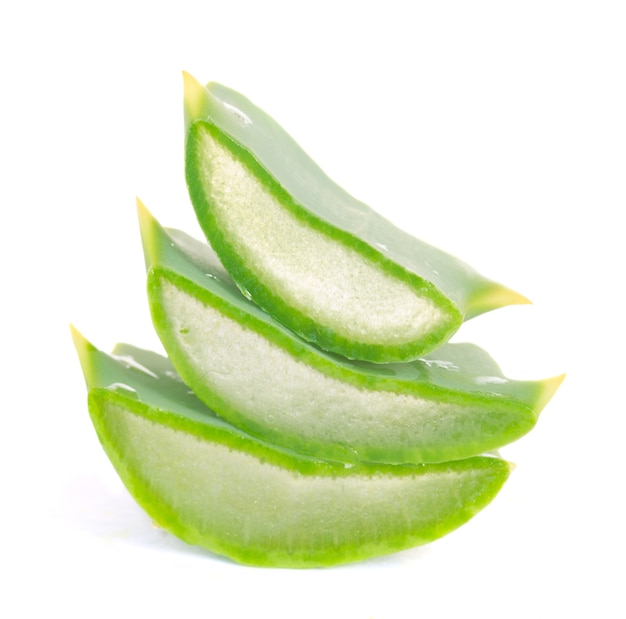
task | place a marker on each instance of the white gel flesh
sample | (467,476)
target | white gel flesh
(321,278)
(274,390)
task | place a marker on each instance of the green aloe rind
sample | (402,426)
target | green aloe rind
(214,486)
(320,261)
(452,404)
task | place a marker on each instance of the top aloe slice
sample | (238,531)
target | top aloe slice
(320,261)
(452,404)
(214,486)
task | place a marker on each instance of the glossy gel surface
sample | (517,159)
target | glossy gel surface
(451,404)
(215,486)
(321,262)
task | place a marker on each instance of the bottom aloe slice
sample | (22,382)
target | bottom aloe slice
(452,404)
(214,486)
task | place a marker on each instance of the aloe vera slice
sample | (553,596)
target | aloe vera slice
(321,262)
(257,374)
(214,486)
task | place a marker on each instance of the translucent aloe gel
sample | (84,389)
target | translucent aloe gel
(214,486)
(321,262)
(452,404)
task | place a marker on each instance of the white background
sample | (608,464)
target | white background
(495,130)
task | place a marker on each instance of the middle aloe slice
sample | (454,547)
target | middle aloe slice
(261,377)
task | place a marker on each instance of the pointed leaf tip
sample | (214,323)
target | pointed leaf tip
(145,218)
(493,297)
(146,229)
(196,99)
(84,348)
(81,343)
(515,298)
(77,337)
(550,386)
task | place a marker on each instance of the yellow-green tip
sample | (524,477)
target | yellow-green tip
(196,99)
(83,348)
(146,223)
(493,297)
(548,389)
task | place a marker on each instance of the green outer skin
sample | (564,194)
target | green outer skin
(303,188)
(458,373)
(119,391)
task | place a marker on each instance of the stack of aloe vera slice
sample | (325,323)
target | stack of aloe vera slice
(310,412)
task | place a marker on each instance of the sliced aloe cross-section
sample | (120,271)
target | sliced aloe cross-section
(254,372)
(321,262)
(214,486)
